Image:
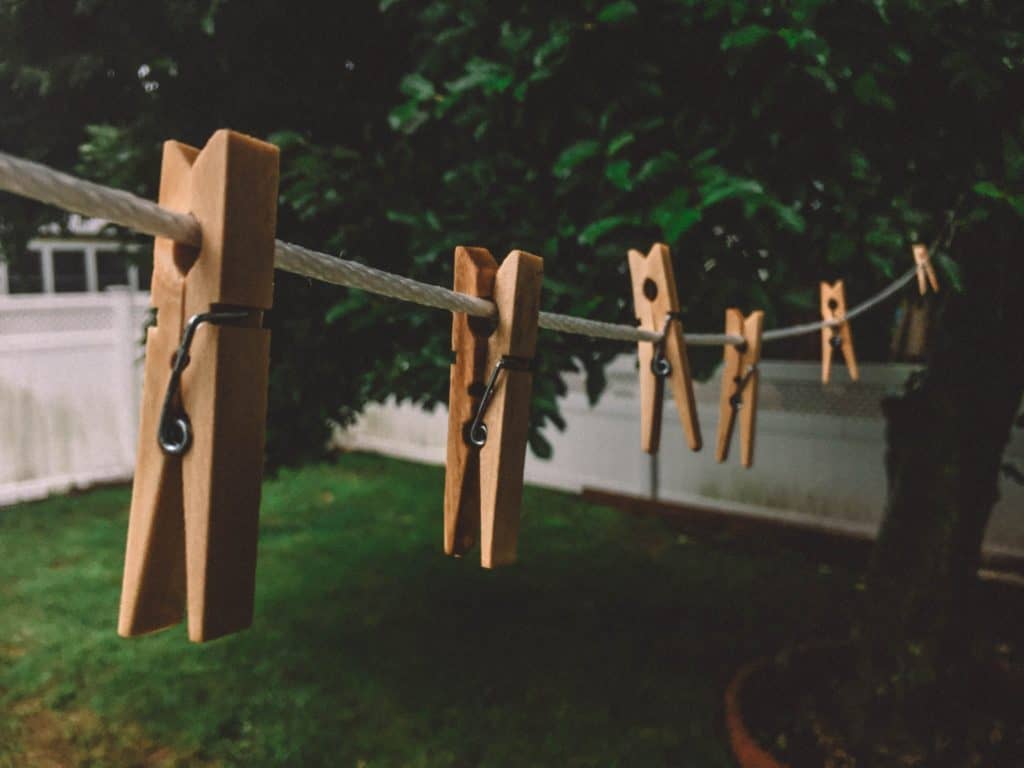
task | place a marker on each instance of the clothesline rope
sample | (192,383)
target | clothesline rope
(46,185)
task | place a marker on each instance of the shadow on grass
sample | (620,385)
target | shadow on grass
(609,644)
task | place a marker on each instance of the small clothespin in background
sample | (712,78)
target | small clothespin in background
(656,302)
(489,404)
(739,384)
(192,532)
(836,337)
(925,270)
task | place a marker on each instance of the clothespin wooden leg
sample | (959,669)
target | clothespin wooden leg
(233,195)
(153,588)
(925,270)
(517,287)
(656,301)
(739,384)
(833,307)
(475,269)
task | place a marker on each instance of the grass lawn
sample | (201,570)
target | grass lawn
(609,644)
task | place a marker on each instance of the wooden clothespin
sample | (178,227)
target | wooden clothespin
(656,302)
(925,270)
(489,404)
(836,337)
(195,500)
(739,384)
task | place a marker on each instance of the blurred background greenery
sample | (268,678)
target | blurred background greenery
(770,144)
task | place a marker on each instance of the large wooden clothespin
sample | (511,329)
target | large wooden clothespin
(195,499)
(656,302)
(836,337)
(739,384)
(489,404)
(925,270)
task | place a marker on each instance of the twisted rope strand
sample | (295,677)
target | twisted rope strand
(70,193)
(62,190)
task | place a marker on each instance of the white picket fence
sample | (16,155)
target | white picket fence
(818,461)
(70,377)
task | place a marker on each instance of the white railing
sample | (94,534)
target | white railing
(70,377)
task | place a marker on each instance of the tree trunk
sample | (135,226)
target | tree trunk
(946,437)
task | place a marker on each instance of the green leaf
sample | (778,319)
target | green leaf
(620,141)
(1013,158)
(407,117)
(795,37)
(988,189)
(950,270)
(790,218)
(617,11)
(821,75)
(208,23)
(514,39)
(800,299)
(489,76)
(841,250)
(702,158)
(860,166)
(593,232)
(417,86)
(868,91)
(280,139)
(722,186)
(400,217)
(745,37)
(552,46)
(595,383)
(539,445)
(674,216)
(666,162)
(574,155)
(618,174)
(879,262)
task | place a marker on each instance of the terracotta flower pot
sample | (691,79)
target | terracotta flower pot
(748,752)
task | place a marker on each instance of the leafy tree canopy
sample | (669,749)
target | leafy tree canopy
(771,144)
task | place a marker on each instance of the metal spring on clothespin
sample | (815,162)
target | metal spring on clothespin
(736,400)
(477,434)
(660,365)
(175,431)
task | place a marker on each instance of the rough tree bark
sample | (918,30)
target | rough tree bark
(946,437)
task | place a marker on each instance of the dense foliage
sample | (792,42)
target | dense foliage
(771,144)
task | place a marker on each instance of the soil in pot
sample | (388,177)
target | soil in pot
(791,707)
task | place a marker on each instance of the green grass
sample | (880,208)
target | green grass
(608,644)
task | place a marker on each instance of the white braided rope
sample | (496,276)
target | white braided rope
(860,309)
(46,185)
(62,190)
(330,269)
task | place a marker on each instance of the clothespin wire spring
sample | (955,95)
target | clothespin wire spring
(736,401)
(477,434)
(660,365)
(174,433)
